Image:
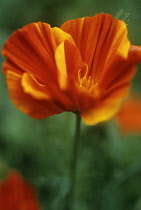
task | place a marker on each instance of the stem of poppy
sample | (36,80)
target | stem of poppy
(73,169)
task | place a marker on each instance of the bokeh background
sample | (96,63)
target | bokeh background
(109,168)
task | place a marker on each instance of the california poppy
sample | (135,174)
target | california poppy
(129,115)
(17,194)
(85,67)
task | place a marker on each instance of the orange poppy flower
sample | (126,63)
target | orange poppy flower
(17,194)
(85,66)
(129,116)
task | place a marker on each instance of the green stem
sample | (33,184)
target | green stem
(73,169)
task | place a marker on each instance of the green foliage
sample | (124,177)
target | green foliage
(109,168)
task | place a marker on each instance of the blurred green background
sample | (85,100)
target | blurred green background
(109,169)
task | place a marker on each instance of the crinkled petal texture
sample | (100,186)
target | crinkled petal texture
(86,65)
(129,115)
(17,194)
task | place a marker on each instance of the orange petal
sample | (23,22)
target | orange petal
(112,89)
(129,115)
(41,92)
(61,66)
(31,49)
(100,39)
(124,70)
(34,88)
(100,113)
(69,62)
(26,103)
(16,193)
(85,33)
(135,54)
(104,46)
(105,107)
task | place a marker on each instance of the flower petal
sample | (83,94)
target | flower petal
(99,114)
(30,52)
(100,39)
(124,69)
(31,49)
(16,193)
(84,34)
(129,115)
(105,108)
(69,62)
(26,103)
(41,92)
(135,54)
(34,88)
(113,88)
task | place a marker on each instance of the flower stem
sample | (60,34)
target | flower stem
(73,169)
